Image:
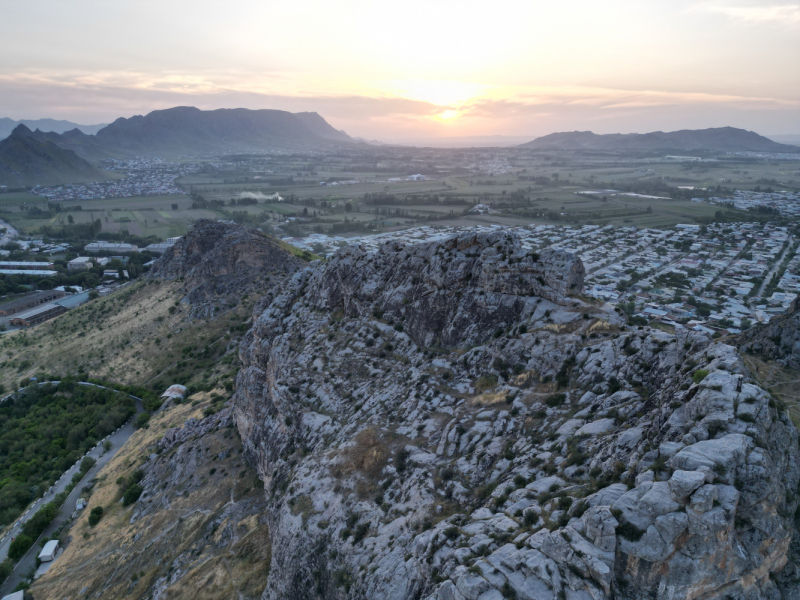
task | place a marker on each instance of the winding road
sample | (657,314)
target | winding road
(28,562)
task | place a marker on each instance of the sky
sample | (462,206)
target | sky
(412,69)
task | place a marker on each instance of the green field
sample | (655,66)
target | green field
(522,186)
(152,215)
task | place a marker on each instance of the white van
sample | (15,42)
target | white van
(48,553)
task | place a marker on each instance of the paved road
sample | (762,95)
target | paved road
(775,267)
(28,562)
(10,233)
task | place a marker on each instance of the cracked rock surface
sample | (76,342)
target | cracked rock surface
(451,421)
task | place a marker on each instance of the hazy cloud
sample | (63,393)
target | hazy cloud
(783,14)
(101,97)
(104,97)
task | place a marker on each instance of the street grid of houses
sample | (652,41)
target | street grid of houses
(724,270)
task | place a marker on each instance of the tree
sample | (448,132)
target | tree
(19,547)
(70,220)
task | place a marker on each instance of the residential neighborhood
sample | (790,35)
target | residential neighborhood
(715,278)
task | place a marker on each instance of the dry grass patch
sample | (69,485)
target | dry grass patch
(490,398)
(369,455)
(118,559)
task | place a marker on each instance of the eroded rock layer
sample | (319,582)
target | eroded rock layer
(450,421)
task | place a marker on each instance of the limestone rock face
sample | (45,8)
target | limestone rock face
(778,340)
(446,293)
(434,421)
(221,262)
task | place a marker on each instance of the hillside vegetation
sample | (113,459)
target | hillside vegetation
(208,517)
(44,430)
(138,335)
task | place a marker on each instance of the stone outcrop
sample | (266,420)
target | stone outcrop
(777,340)
(221,262)
(446,293)
(444,421)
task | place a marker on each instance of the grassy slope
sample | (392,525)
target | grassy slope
(116,559)
(115,338)
(782,383)
(130,337)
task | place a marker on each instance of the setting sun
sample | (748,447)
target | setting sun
(448,115)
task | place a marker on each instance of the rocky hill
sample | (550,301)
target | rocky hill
(27,160)
(777,340)
(541,450)
(454,421)
(219,263)
(720,139)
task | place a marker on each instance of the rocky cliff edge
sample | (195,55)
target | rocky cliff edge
(444,421)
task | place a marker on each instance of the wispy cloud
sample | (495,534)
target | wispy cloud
(538,102)
(778,14)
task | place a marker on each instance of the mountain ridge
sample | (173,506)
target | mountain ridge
(186,130)
(47,125)
(26,159)
(718,139)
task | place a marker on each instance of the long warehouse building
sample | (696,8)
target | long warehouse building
(38,315)
(29,301)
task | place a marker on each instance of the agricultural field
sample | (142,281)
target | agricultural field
(160,216)
(364,190)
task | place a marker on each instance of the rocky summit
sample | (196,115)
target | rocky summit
(219,263)
(453,420)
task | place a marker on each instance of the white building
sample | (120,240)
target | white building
(120,248)
(82,263)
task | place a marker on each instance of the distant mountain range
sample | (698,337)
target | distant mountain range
(720,139)
(7,126)
(26,161)
(186,130)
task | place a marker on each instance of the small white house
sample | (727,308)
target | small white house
(48,553)
(82,263)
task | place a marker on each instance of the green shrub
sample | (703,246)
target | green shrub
(5,569)
(485,382)
(142,420)
(132,494)
(555,400)
(699,375)
(95,516)
(360,533)
(630,532)
(451,533)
